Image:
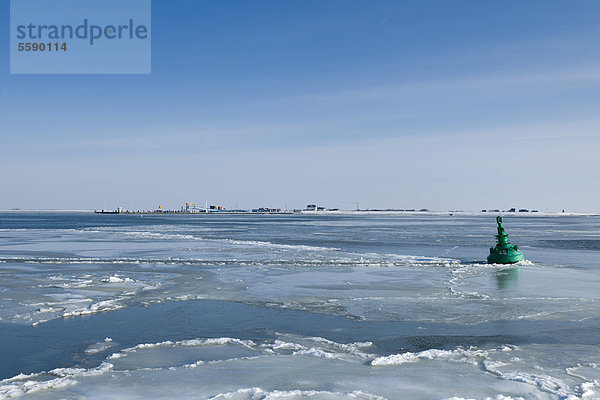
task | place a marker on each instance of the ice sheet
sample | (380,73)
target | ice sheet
(419,269)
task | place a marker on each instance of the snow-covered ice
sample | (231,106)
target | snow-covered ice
(445,324)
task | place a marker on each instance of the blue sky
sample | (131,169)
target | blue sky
(404,104)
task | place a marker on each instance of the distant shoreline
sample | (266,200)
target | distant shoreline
(326,212)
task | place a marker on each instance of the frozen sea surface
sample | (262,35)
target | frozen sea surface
(297,307)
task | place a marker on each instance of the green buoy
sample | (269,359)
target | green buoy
(504,252)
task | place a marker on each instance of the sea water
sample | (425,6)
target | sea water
(302,306)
